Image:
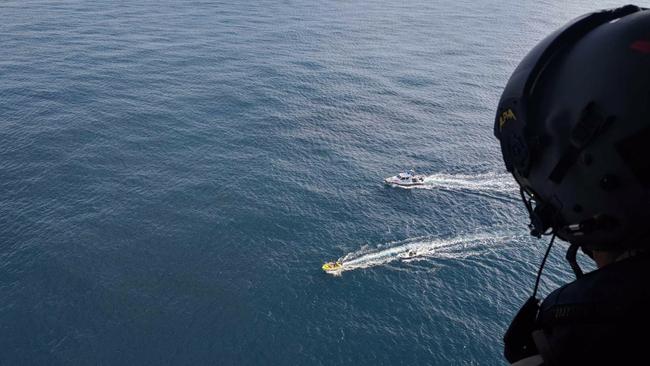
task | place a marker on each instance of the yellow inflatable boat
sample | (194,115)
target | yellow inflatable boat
(332,266)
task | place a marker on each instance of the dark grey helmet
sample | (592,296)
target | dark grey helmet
(574,128)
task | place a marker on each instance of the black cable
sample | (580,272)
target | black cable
(541,267)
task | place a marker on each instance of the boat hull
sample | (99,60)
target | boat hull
(411,182)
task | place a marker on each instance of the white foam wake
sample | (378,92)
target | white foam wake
(424,247)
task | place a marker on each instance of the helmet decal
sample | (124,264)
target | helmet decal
(505,117)
(642,46)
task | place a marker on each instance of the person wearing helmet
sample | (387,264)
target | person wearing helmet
(573,123)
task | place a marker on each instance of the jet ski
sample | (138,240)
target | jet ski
(408,255)
(331,267)
(405,179)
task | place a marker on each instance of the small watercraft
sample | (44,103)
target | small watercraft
(408,255)
(406,179)
(330,267)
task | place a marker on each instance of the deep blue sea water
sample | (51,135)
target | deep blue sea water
(174,174)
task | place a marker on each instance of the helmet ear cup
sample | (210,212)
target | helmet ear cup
(519,152)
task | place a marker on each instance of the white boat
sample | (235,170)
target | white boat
(406,179)
(408,255)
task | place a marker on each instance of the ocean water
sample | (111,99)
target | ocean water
(174,174)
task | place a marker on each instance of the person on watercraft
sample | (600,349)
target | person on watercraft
(573,123)
(331,266)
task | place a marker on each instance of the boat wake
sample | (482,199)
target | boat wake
(419,249)
(490,182)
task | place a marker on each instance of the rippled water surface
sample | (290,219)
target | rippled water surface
(174,174)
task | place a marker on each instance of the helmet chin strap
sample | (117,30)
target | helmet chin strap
(571,258)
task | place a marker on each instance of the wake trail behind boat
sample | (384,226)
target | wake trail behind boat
(486,182)
(457,247)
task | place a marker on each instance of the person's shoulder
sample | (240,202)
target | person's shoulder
(597,319)
(618,288)
(535,360)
